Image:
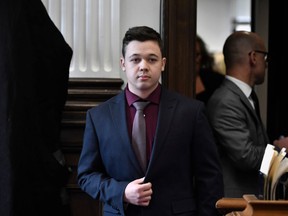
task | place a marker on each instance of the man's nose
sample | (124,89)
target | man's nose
(143,65)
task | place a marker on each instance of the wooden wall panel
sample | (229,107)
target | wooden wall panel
(83,93)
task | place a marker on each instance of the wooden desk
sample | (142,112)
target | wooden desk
(227,205)
(251,206)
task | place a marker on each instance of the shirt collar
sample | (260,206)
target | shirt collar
(154,97)
(245,88)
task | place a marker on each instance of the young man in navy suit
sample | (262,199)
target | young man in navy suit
(183,174)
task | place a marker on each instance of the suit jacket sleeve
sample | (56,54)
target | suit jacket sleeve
(93,176)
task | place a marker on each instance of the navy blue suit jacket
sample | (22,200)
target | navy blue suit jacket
(184,168)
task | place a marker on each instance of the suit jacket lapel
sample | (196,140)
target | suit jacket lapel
(166,110)
(234,88)
(118,113)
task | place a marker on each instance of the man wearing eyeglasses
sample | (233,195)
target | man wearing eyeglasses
(234,114)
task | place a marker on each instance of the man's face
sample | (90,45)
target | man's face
(198,57)
(261,67)
(143,64)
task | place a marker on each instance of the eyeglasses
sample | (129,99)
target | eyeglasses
(262,52)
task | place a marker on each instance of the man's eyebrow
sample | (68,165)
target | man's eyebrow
(137,55)
(133,55)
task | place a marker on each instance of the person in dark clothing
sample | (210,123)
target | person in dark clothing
(34,73)
(207,78)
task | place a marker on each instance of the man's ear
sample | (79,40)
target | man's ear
(163,64)
(252,58)
(122,63)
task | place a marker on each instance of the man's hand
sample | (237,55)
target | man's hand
(138,193)
(282,142)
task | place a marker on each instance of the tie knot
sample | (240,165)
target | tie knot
(140,105)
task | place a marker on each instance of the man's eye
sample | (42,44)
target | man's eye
(152,60)
(135,60)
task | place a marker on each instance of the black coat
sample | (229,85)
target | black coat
(34,72)
(211,81)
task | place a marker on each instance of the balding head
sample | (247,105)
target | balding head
(239,63)
(238,45)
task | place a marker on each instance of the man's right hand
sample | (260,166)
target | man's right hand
(138,193)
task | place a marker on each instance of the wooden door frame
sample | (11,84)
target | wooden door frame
(178,29)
